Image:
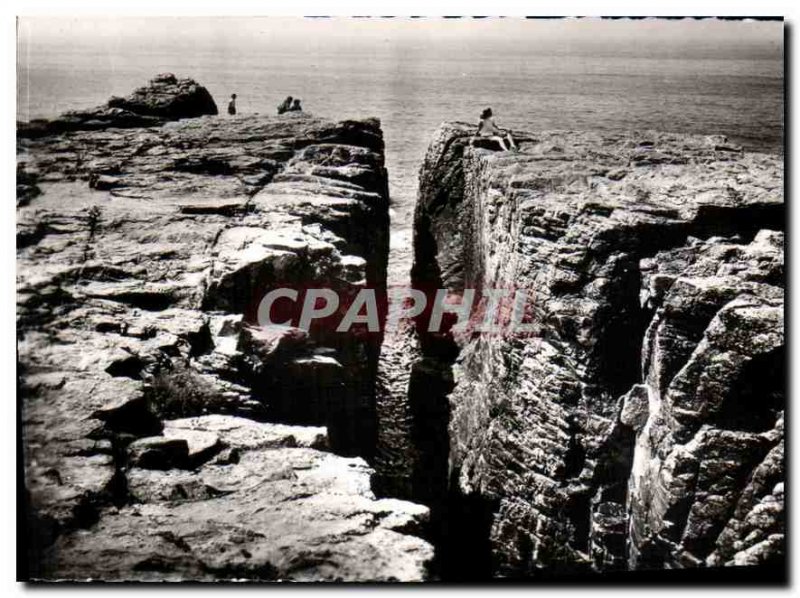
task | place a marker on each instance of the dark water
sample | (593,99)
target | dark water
(699,77)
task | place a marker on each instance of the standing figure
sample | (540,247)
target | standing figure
(232,105)
(286,105)
(487,129)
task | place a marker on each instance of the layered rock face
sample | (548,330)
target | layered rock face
(707,478)
(166,435)
(638,422)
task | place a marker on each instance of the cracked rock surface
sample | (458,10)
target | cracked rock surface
(166,435)
(639,422)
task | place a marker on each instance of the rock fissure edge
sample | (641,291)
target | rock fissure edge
(166,435)
(642,427)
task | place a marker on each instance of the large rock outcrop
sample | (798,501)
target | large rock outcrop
(166,435)
(639,423)
(165,98)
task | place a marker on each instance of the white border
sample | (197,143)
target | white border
(299,8)
(409,7)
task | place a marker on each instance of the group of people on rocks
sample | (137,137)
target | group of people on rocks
(290,104)
(487,129)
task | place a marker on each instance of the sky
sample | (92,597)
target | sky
(713,37)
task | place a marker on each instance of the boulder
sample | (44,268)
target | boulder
(635,407)
(168,97)
(159,452)
(165,98)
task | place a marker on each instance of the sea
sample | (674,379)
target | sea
(694,76)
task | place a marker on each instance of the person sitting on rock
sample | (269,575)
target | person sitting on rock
(286,105)
(487,129)
(232,105)
(296,106)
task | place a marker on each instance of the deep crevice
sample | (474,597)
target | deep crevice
(758,395)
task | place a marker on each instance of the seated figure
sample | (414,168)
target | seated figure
(487,129)
(285,105)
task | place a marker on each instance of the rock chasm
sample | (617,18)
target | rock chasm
(636,424)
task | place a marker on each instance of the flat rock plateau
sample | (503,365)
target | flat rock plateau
(167,437)
(636,424)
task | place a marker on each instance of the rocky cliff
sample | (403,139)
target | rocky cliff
(639,423)
(165,435)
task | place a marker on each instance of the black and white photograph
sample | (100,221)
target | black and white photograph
(363,299)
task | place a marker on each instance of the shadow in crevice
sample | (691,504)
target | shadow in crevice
(461,530)
(759,395)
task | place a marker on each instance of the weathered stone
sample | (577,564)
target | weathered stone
(103,182)
(139,347)
(159,452)
(649,278)
(170,97)
(242,433)
(273,513)
(635,407)
(609,536)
